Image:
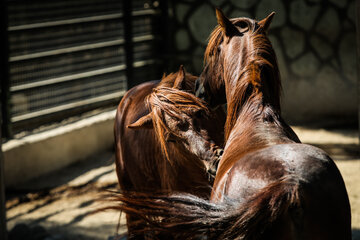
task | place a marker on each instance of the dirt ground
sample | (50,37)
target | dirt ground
(61,206)
(350,170)
(64,202)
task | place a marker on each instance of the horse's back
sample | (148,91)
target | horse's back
(324,204)
(324,212)
(135,149)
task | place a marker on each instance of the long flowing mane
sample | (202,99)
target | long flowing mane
(259,80)
(173,102)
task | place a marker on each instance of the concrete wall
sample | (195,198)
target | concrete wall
(315,42)
(34,155)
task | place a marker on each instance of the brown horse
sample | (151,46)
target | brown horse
(155,157)
(268,184)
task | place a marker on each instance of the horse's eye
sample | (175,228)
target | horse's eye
(243,25)
(183,126)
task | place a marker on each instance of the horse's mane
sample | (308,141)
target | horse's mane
(215,39)
(174,102)
(259,79)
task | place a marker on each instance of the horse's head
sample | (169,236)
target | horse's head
(233,46)
(179,118)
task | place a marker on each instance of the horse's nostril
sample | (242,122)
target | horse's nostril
(212,171)
(219,152)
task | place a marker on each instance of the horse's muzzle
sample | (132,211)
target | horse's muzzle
(213,165)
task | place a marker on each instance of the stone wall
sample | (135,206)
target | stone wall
(315,42)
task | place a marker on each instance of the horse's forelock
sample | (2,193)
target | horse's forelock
(173,102)
(260,51)
(176,102)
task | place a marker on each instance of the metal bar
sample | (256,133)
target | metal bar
(67,50)
(4,74)
(358,58)
(143,63)
(143,38)
(145,12)
(127,10)
(65,22)
(78,48)
(66,95)
(67,78)
(166,31)
(68,106)
(77,76)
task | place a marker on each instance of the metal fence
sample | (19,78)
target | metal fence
(67,57)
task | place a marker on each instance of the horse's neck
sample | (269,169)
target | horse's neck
(250,132)
(258,126)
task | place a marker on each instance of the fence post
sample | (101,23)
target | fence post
(5,129)
(4,73)
(127,20)
(166,31)
(358,58)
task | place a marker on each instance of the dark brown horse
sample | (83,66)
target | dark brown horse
(155,157)
(268,184)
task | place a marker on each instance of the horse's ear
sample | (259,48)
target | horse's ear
(180,79)
(163,76)
(226,25)
(265,23)
(143,122)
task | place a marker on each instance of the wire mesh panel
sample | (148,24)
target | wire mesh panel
(70,54)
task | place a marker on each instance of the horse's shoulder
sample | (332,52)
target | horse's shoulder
(283,159)
(302,160)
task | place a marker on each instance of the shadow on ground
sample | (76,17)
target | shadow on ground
(356,234)
(341,151)
(62,177)
(23,231)
(37,232)
(63,205)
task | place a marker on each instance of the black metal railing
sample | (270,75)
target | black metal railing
(71,56)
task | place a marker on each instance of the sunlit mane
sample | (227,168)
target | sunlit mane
(173,102)
(215,39)
(259,76)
